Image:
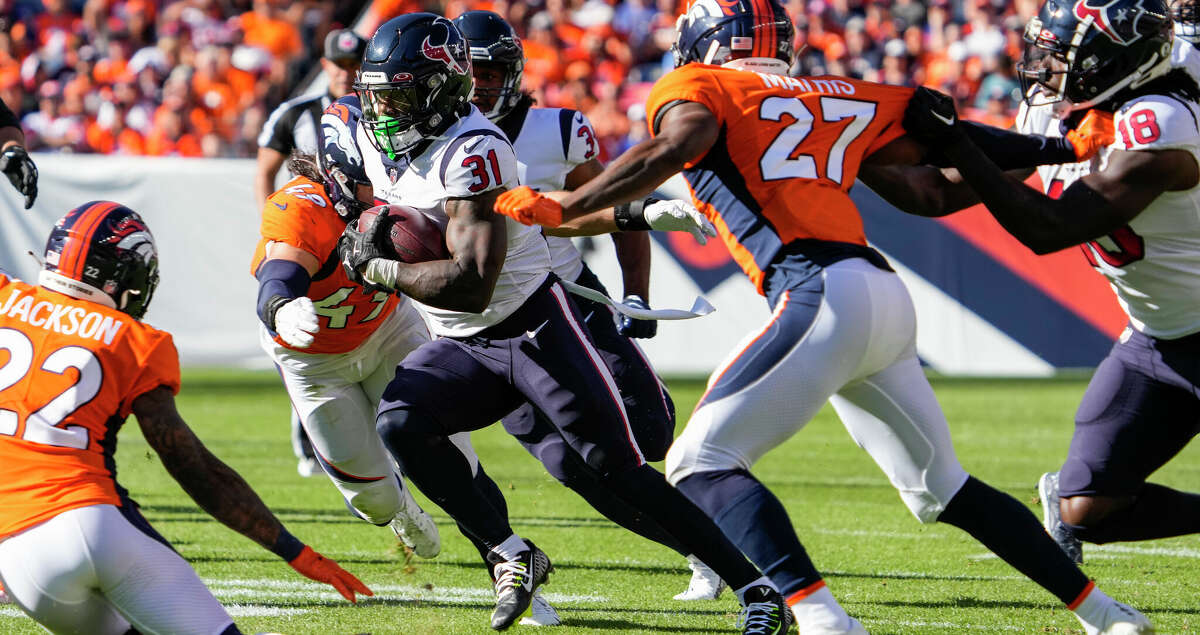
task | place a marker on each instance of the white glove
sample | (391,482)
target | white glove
(679,216)
(296,322)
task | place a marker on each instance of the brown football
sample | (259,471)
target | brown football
(413,236)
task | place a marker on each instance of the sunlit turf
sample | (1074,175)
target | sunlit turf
(893,573)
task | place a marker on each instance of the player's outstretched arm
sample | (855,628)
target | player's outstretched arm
(686,132)
(223,493)
(477,239)
(1093,206)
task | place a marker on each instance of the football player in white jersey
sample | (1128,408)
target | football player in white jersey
(1133,211)
(508,332)
(557,150)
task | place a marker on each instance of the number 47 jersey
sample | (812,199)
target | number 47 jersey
(1153,263)
(788,152)
(70,371)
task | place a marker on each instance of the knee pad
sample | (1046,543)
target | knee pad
(377,502)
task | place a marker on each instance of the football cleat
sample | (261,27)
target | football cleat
(705,583)
(516,581)
(764,613)
(540,613)
(1052,518)
(1119,619)
(414,527)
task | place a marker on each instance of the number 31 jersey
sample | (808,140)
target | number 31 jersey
(70,371)
(788,152)
(1153,263)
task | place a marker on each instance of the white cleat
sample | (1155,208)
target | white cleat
(1120,619)
(540,613)
(414,527)
(705,583)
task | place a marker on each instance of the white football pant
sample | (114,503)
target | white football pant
(859,353)
(336,396)
(89,571)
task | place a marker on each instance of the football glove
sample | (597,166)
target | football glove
(643,329)
(930,117)
(676,215)
(356,249)
(314,566)
(20,170)
(527,207)
(296,322)
(1094,131)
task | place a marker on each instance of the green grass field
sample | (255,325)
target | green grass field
(896,575)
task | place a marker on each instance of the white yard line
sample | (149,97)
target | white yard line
(1113,552)
(946,625)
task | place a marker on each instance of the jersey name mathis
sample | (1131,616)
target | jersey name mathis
(810,85)
(61,318)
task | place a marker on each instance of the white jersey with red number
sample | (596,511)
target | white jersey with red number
(551,143)
(1153,263)
(471,157)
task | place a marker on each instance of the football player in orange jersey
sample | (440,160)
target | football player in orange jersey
(75,552)
(770,160)
(336,344)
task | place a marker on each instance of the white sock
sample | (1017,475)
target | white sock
(1093,609)
(511,547)
(763,581)
(820,610)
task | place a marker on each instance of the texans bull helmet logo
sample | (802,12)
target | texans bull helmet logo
(443,52)
(1119,24)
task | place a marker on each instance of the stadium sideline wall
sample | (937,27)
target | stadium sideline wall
(985,304)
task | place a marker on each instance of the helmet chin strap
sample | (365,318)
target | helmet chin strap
(769,65)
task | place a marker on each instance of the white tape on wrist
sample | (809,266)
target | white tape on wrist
(700,307)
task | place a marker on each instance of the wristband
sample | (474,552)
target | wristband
(629,217)
(268,309)
(287,546)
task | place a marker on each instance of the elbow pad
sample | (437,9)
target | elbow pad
(279,281)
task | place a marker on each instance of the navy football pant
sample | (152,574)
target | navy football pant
(1141,408)
(540,354)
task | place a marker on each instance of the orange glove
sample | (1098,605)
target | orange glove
(1095,131)
(527,207)
(314,566)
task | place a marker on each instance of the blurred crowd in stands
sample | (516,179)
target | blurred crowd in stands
(199,77)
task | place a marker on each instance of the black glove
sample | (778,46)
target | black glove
(629,327)
(20,170)
(356,249)
(930,117)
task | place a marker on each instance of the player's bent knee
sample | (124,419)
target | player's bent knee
(378,502)
(397,425)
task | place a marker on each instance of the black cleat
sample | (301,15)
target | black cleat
(765,612)
(1052,518)
(515,582)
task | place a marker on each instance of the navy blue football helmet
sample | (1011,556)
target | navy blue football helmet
(415,81)
(340,159)
(492,41)
(1088,51)
(102,251)
(746,34)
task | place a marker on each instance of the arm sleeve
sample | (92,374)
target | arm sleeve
(7,118)
(1011,150)
(158,365)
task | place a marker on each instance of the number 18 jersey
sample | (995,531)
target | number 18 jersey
(1153,263)
(788,152)
(70,371)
